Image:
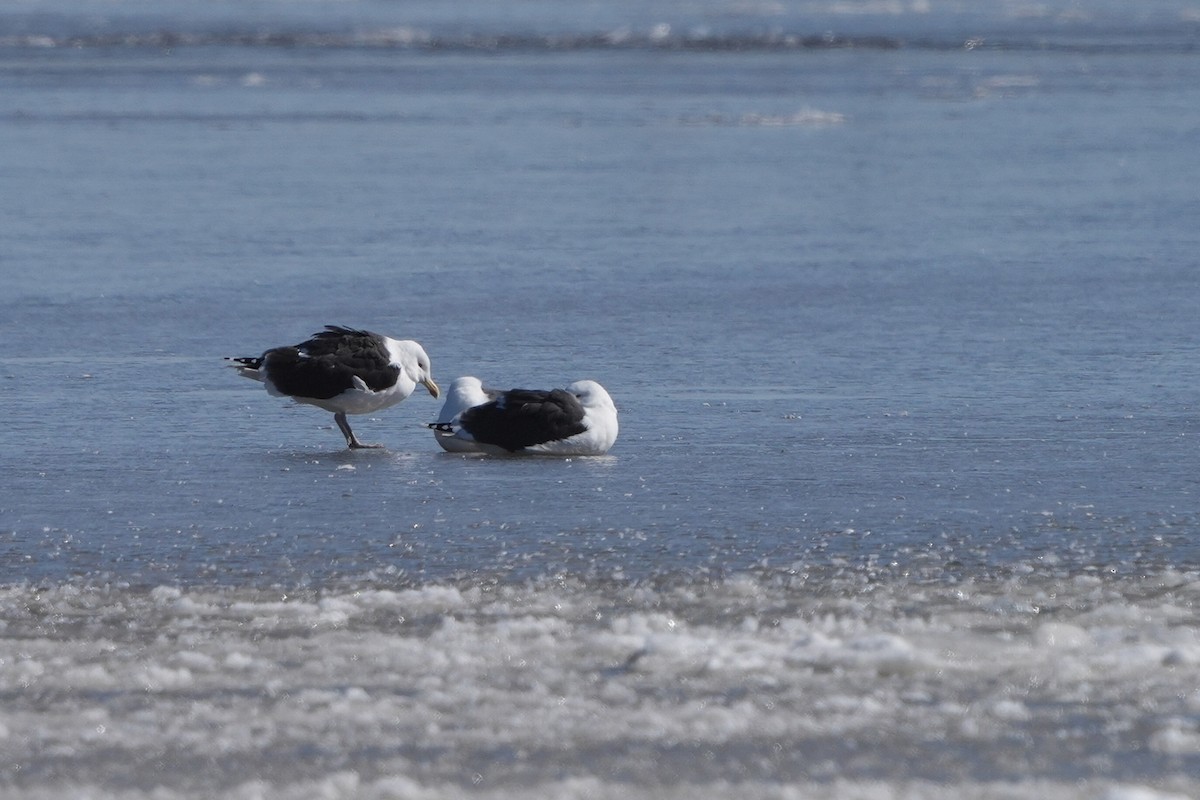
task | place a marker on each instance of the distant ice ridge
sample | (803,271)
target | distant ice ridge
(773,686)
(348,785)
(709,25)
(655,37)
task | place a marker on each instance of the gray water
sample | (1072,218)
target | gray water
(896,301)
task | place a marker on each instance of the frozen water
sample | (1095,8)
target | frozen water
(782,684)
(897,301)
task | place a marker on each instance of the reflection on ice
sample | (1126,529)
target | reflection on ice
(1064,685)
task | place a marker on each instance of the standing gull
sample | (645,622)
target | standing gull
(344,371)
(580,420)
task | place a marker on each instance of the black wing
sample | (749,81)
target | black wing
(522,418)
(326,365)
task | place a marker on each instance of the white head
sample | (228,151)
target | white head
(414,363)
(599,413)
(592,395)
(465,392)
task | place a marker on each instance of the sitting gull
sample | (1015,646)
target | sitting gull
(580,420)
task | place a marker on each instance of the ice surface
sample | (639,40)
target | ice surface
(772,685)
(905,310)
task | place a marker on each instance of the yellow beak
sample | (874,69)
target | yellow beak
(432,387)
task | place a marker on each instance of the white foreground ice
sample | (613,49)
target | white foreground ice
(783,686)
